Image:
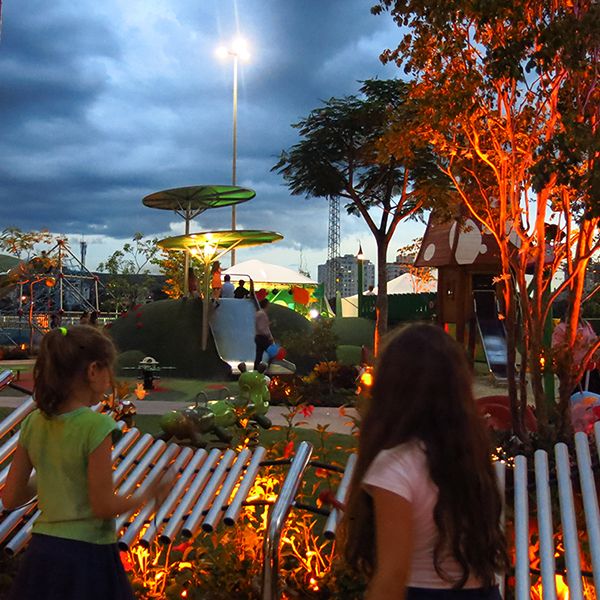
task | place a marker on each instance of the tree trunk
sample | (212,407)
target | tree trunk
(381,306)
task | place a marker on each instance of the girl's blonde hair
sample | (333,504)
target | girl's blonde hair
(64,356)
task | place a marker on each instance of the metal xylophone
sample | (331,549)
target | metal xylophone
(210,487)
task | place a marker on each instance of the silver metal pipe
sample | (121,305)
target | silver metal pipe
(6,377)
(183,481)
(342,491)
(190,527)
(500,471)
(277,518)
(569,521)
(145,513)
(145,480)
(20,540)
(216,510)
(521,508)
(9,447)
(174,525)
(235,506)
(140,447)
(545,529)
(16,416)
(12,520)
(590,501)
(124,444)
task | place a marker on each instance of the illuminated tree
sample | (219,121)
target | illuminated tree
(510,101)
(339,157)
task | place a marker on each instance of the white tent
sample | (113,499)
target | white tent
(262,272)
(411,284)
(404,284)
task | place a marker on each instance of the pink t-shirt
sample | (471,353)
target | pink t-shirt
(403,470)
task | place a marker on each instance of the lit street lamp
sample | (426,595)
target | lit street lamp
(238,50)
(360,257)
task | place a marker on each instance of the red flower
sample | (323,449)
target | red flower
(182,547)
(321,473)
(138,314)
(307,410)
(328,497)
(289,448)
(125,560)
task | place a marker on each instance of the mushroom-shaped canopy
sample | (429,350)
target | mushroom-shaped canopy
(198,197)
(222,240)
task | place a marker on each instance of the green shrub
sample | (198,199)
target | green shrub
(354,331)
(307,348)
(349,355)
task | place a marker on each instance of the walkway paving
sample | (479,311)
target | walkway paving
(338,422)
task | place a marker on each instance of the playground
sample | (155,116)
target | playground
(263,457)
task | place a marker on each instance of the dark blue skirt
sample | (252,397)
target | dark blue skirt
(472,594)
(59,569)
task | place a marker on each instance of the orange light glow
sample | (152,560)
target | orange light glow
(562,590)
(366,379)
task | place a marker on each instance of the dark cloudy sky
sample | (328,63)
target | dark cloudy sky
(102,103)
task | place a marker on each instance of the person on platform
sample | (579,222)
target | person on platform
(215,281)
(228,289)
(370,291)
(241,291)
(192,283)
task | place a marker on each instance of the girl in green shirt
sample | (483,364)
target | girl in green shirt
(73,552)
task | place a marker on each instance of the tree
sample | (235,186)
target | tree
(130,282)
(17,242)
(339,157)
(509,99)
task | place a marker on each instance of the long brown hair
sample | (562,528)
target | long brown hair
(64,356)
(422,390)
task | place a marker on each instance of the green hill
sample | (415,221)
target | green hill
(170,332)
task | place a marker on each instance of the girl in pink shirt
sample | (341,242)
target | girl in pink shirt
(423,518)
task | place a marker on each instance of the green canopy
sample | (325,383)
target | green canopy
(198,198)
(222,240)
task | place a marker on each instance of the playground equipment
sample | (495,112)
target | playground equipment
(491,332)
(49,286)
(189,202)
(209,246)
(217,417)
(468,261)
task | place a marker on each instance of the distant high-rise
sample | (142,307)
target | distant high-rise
(347,277)
(83,248)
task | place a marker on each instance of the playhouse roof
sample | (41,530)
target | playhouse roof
(474,246)
(263,272)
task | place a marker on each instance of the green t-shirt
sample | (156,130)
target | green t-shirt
(58,448)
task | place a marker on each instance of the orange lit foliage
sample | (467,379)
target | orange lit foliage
(227,564)
(513,125)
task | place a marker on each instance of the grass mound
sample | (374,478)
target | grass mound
(169,331)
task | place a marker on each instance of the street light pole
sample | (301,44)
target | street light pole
(237,50)
(359,266)
(233,170)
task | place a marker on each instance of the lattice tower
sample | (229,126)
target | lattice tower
(333,248)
